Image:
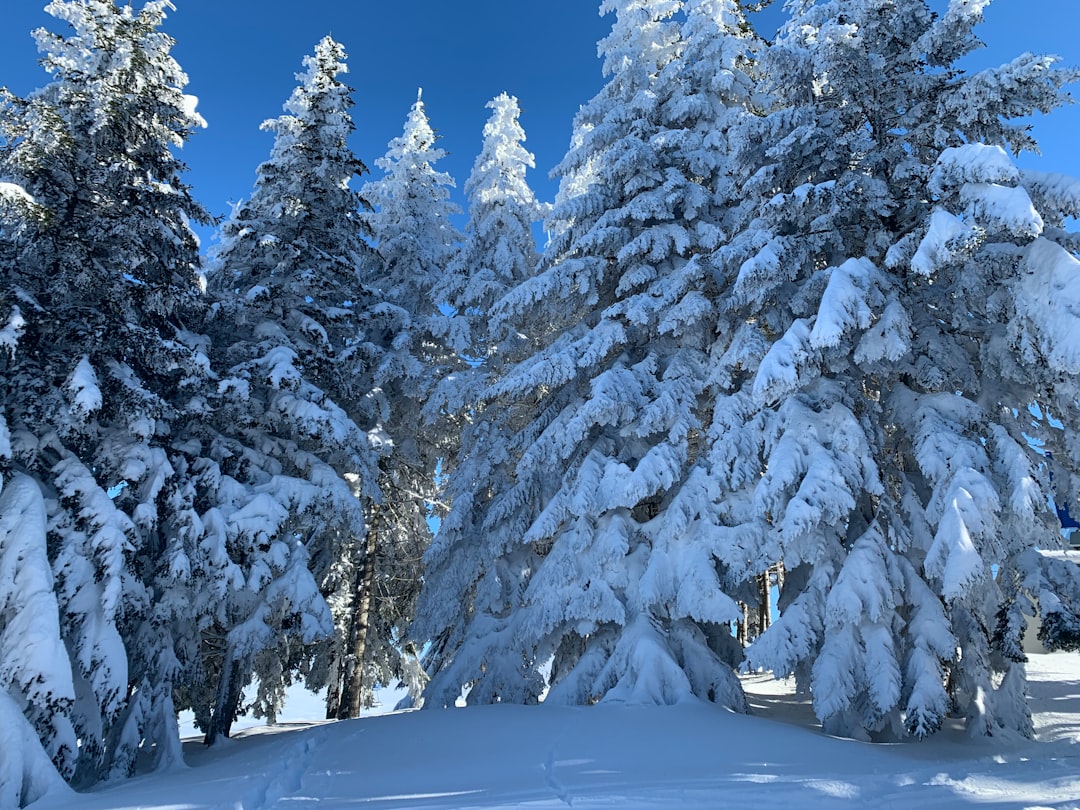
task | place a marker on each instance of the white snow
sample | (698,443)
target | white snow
(615,756)
(10,332)
(844,303)
(83,389)
(1049,297)
(11,193)
(973,163)
(190,108)
(934,250)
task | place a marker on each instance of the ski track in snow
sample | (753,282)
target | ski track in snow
(282,778)
(553,783)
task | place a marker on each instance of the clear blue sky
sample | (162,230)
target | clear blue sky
(241,57)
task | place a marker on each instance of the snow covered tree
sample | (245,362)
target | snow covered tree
(415,242)
(100,278)
(26,773)
(297,420)
(462,605)
(878,350)
(35,671)
(498,250)
(415,238)
(597,541)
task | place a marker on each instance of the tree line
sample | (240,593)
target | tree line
(801,327)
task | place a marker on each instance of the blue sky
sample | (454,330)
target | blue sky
(241,57)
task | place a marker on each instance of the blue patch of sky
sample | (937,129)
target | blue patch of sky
(241,57)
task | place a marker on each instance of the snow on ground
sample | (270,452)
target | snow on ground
(625,757)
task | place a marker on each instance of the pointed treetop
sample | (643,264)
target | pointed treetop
(500,167)
(417,138)
(320,78)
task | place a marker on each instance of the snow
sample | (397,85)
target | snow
(617,756)
(934,250)
(11,193)
(844,303)
(190,105)
(83,388)
(1055,191)
(10,332)
(1049,296)
(25,770)
(973,163)
(1002,208)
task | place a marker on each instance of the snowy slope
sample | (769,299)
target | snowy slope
(611,756)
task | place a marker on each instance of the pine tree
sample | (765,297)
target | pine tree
(101,278)
(463,604)
(498,250)
(296,407)
(624,593)
(415,241)
(866,434)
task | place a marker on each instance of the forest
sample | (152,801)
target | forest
(792,386)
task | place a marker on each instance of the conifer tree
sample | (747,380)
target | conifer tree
(296,400)
(625,595)
(877,353)
(498,250)
(415,241)
(101,274)
(35,670)
(463,605)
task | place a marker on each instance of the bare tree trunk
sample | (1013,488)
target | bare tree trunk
(765,605)
(228,697)
(333,691)
(352,690)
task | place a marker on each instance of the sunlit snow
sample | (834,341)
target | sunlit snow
(614,756)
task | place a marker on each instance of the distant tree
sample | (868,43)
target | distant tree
(101,275)
(415,240)
(882,336)
(498,250)
(467,587)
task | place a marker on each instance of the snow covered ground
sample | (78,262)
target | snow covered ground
(606,756)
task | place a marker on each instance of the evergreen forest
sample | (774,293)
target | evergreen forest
(792,384)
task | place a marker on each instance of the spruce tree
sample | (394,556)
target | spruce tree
(867,434)
(101,273)
(297,422)
(415,241)
(463,606)
(624,593)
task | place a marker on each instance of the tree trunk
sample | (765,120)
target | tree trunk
(333,692)
(352,690)
(765,606)
(228,697)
